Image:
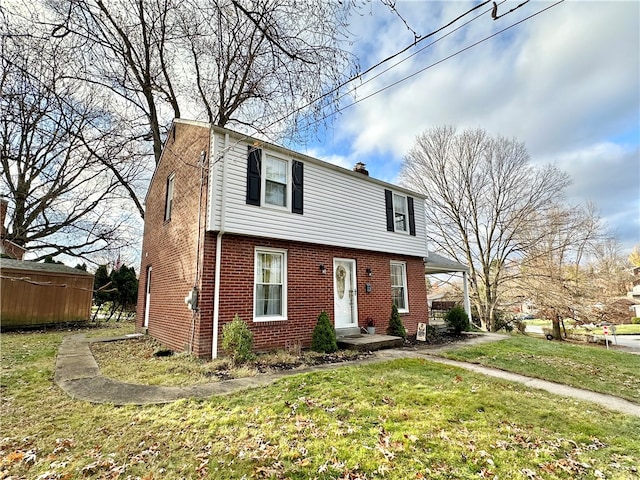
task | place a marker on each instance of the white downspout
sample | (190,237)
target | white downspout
(216,293)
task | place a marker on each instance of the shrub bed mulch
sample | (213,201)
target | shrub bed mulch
(439,339)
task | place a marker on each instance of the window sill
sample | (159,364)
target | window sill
(275,208)
(269,319)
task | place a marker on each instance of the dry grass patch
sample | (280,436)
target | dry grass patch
(143,360)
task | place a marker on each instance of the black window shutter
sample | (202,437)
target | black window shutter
(412,218)
(253,175)
(297,171)
(388,202)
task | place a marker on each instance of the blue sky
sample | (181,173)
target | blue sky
(566,82)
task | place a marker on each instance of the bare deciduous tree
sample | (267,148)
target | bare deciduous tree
(255,66)
(251,64)
(61,194)
(481,193)
(634,256)
(554,272)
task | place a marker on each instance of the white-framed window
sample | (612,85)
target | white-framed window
(399,295)
(400,213)
(276,179)
(270,285)
(168,200)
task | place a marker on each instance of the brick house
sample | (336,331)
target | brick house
(276,237)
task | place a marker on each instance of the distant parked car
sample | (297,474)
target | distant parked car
(603,324)
(524,316)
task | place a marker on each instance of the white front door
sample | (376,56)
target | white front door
(148,298)
(344,293)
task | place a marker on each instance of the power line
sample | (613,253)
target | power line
(328,115)
(373,67)
(433,64)
(417,52)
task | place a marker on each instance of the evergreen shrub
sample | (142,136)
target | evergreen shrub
(456,318)
(396,328)
(324,335)
(237,341)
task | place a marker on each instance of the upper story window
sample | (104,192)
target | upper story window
(274,181)
(400,212)
(168,199)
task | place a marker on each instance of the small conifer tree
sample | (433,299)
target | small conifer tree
(396,328)
(457,319)
(324,335)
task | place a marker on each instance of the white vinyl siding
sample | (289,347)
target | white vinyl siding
(270,285)
(341,208)
(399,295)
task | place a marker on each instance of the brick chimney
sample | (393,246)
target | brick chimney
(360,169)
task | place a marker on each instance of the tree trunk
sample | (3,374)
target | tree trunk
(557,335)
(95,315)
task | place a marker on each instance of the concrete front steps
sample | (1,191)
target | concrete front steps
(368,343)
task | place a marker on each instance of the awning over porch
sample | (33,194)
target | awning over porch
(438,264)
(435,264)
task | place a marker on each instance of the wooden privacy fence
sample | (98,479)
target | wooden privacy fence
(35,294)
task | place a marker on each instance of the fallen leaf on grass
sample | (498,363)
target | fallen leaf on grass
(63,445)
(13,457)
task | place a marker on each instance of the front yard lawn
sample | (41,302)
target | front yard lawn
(402,419)
(589,367)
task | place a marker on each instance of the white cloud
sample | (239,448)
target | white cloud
(335,159)
(566,82)
(608,175)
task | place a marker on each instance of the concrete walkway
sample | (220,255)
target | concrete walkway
(77,373)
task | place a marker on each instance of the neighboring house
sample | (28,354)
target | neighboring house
(274,236)
(37,294)
(634,294)
(7,247)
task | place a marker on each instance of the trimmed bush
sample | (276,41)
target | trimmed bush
(237,341)
(457,319)
(396,328)
(324,335)
(635,320)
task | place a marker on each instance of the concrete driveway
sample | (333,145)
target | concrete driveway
(628,341)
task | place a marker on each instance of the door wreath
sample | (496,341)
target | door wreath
(341,275)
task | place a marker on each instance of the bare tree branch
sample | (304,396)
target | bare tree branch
(481,192)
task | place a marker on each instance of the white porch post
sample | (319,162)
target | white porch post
(465,288)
